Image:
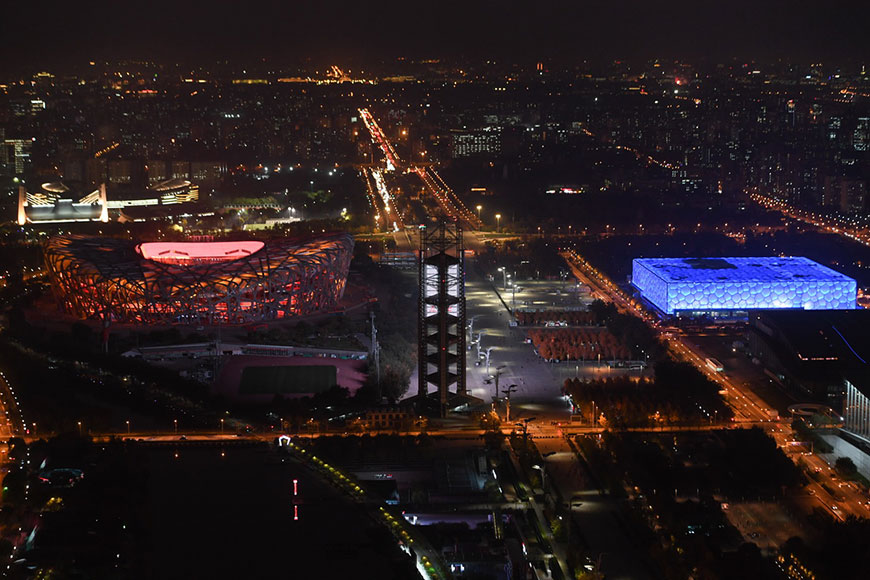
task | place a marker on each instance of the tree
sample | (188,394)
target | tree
(394,383)
(845,467)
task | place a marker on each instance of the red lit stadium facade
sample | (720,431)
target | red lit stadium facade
(197,282)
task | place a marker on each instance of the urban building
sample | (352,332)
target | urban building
(16,154)
(485,141)
(169,192)
(856,406)
(733,286)
(811,351)
(392,419)
(56,203)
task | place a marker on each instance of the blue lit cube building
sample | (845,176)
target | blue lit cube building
(732,286)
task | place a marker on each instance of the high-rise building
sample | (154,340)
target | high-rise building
(124,171)
(18,154)
(861,135)
(485,141)
(856,408)
(853,194)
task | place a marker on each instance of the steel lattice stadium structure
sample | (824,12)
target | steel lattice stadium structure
(732,285)
(233,282)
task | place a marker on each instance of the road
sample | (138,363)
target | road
(596,515)
(387,215)
(393,160)
(12,423)
(437,189)
(854,231)
(447,199)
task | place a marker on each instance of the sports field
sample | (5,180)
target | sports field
(287,380)
(251,378)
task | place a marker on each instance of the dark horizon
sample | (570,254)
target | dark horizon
(57,33)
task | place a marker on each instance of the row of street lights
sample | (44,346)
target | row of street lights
(127,422)
(497,218)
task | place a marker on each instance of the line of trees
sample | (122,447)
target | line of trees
(578,344)
(679,394)
(631,330)
(541,317)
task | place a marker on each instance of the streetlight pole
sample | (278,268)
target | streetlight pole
(508,392)
(471,327)
(128,426)
(479,207)
(80,428)
(222,426)
(478,342)
(543,471)
(503,277)
(498,223)
(175,422)
(495,377)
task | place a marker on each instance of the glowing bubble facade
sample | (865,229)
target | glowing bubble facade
(696,285)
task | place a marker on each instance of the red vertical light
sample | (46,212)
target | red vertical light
(295,487)
(295,513)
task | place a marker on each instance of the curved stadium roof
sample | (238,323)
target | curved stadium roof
(97,277)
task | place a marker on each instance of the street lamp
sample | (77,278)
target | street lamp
(175,422)
(478,343)
(504,277)
(488,351)
(498,223)
(508,392)
(471,327)
(543,471)
(222,426)
(479,207)
(80,428)
(128,426)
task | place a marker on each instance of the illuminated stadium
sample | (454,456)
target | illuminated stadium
(232,282)
(693,286)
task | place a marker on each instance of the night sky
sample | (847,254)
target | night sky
(50,32)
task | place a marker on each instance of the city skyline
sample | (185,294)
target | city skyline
(511,290)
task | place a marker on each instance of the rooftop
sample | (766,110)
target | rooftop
(825,339)
(725,270)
